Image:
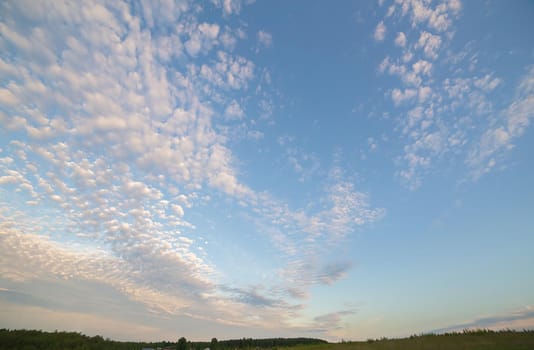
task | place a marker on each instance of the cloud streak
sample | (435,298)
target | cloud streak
(519,319)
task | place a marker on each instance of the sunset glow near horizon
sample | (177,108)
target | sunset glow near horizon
(238,168)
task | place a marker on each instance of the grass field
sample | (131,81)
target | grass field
(479,340)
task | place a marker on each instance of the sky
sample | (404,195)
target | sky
(231,168)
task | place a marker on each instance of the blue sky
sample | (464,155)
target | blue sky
(231,168)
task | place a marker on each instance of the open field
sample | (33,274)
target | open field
(480,340)
(473,340)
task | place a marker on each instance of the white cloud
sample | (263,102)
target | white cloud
(380,31)
(193,45)
(255,135)
(331,320)
(372,143)
(487,82)
(230,7)
(306,273)
(400,40)
(228,39)
(422,66)
(424,93)
(7,97)
(232,72)
(304,164)
(438,18)
(407,57)
(234,111)
(391,10)
(513,123)
(410,77)
(430,44)
(211,31)
(344,209)
(18,40)
(265,39)
(202,39)
(384,65)
(427,135)
(398,96)
(38,259)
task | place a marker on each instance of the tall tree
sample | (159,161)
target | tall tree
(182,344)
(214,344)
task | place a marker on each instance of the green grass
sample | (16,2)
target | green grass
(474,340)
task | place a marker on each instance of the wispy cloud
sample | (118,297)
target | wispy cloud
(265,39)
(513,121)
(254,297)
(519,319)
(332,320)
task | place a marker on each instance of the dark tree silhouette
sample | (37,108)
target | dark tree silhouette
(182,344)
(214,344)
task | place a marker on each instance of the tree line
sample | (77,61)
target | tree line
(249,343)
(40,340)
